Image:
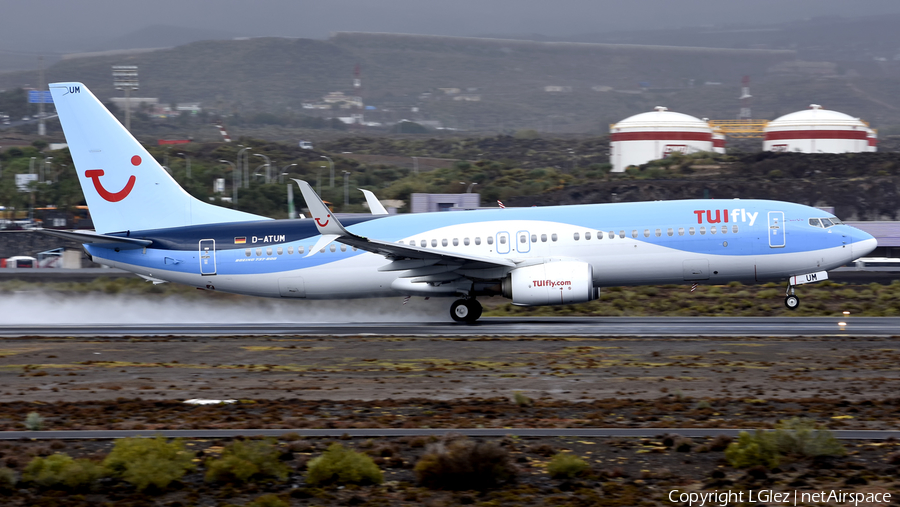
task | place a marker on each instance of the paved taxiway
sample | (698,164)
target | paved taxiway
(559,326)
(407,432)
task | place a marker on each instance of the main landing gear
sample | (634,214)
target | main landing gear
(465,310)
(791,301)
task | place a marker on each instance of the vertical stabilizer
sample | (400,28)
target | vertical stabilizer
(125,188)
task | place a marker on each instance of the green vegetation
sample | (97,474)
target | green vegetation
(464,464)
(8,479)
(269,500)
(339,465)
(246,460)
(522,400)
(792,438)
(566,466)
(34,422)
(62,471)
(145,462)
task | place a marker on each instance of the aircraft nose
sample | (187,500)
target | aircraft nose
(863,243)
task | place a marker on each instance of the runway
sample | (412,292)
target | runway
(407,432)
(499,326)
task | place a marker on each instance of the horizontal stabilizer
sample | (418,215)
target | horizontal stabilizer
(99,239)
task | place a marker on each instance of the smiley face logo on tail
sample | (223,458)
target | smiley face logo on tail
(95,174)
(327,219)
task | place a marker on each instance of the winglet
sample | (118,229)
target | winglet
(375,205)
(326,222)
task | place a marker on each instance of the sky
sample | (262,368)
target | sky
(69,26)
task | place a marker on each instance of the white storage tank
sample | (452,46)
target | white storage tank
(650,136)
(818,130)
(719,141)
(873,140)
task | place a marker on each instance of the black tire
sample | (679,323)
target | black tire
(792,302)
(475,310)
(460,311)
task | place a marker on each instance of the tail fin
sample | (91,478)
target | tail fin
(125,188)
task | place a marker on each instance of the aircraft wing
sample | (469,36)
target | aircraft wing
(419,261)
(99,239)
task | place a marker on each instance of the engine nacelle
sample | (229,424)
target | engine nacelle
(552,283)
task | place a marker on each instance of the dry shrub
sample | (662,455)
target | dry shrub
(146,462)
(464,464)
(566,466)
(242,461)
(338,465)
(62,471)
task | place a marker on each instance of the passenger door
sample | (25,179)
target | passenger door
(207,256)
(776,229)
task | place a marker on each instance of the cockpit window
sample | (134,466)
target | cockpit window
(824,222)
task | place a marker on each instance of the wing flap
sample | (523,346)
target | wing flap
(99,239)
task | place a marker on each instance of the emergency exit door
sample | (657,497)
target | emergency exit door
(207,256)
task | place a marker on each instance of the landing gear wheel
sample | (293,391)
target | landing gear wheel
(792,302)
(465,310)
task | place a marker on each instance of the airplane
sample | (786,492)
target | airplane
(147,224)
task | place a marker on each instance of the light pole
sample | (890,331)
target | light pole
(187,163)
(268,166)
(246,180)
(234,180)
(346,188)
(44,167)
(468,190)
(283,173)
(125,77)
(331,162)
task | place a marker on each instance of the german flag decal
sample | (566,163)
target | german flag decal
(240,241)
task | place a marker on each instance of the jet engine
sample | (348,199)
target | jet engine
(552,283)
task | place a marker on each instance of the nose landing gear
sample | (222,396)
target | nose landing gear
(465,310)
(791,301)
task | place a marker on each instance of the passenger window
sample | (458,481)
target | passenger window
(300,249)
(333,247)
(354,249)
(670,232)
(658,232)
(691,231)
(258,252)
(343,248)
(490,240)
(423,243)
(553,237)
(434,242)
(543,238)
(280,251)
(734,229)
(455,241)
(290,250)
(634,233)
(724,229)
(534,238)
(599,234)
(621,234)
(611,234)
(444,242)
(712,229)
(576,236)
(247,252)
(702,231)
(268,251)
(503,240)
(646,233)
(681,231)
(478,240)
(587,235)
(466,241)
(523,239)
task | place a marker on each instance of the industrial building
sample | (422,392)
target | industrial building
(818,130)
(654,135)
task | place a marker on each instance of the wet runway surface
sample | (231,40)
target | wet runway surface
(559,326)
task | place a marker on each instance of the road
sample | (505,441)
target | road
(406,432)
(497,326)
